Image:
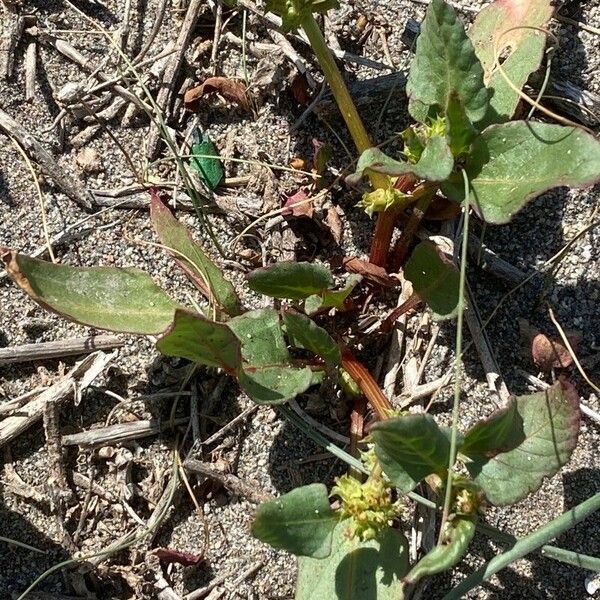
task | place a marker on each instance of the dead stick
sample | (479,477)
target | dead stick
(119,433)
(172,71)
(80,377)
(234,484)
(58,349)
(89,65)
(30,70)
(49,167)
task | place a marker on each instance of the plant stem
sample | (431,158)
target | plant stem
(526,545)
(357,421)
(368,386)
(386,220)
(402,248)
(458,360)
(384,230)
(339,90)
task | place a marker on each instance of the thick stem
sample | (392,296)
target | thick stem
(367,384)
(402,248)
(357,422)
(384,230)
(339,90)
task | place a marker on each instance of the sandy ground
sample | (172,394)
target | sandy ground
(265,450)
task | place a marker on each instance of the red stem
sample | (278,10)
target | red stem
(367,384)
(386,221)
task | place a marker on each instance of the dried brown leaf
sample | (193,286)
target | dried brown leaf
(369,271)
(230,89)
(298,205)
(333,222)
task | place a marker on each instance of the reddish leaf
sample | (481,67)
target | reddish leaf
(369,271)
(298,205)
(300,89)
(548,353)
(230,89)
(186,559)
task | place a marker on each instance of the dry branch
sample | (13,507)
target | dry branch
(77,379)
(119,433)
(47,165)
(58,349)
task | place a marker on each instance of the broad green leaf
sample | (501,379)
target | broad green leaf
(202,341)
(292,280)
(277,384)
(300,522)
(435,279)
(111,298)
(506,27)
(305,333)
(460,133)
(267,374)
(331,298)
(549,429)
(441,558)
(435,163)
(500,432)
(355,570)
(409,448)
(206,160)
(514,162)
(261,336)
(192,259)
(445,64)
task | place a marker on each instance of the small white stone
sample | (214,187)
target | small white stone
(88,160)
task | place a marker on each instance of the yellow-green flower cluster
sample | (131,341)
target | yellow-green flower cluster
(369,505)
(381,199)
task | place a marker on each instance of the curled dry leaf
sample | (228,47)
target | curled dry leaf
(300,89)
(333,222)
(547,353)
(230,89)
(368,270)
(298,205)
(168,555)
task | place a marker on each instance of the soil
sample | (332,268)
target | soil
(264,450)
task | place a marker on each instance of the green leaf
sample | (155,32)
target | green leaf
(300,522)
(356,570)
(192,259)
(435,279)
(331,298)
(305,333)
(445,63)
(549,426)
(292,280)
(506,26)
(458,536)
(435,163)
(267,374)
(515,162)
(202,341)
(409,448)
(210,169)
(460,133)
(292,12)
(501,432)
(104,297)
(276,384)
